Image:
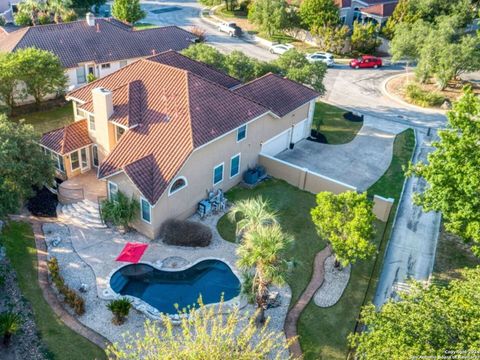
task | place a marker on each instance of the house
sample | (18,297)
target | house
(167,128)
(97,46)
(377,11)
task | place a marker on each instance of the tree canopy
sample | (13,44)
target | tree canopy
(433,321)
(346,222)
(365,38)
(127,10)
(452,171)
(317,15)
(9,79)
(270,15)
(32,12)
(23,165)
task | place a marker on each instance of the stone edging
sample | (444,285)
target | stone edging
(47,291)
(399,100)
(294,314)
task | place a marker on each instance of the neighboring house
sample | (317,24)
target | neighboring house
(377,11)
(95,45)
(166,129)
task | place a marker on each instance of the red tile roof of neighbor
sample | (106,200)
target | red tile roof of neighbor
(109,40)
(68,138)
(177,110)
(382,10)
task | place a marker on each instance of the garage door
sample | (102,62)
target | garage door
(299,131)
(277,144)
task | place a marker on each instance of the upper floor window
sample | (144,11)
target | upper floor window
(119,131)
(81,76)
(177,185)
(91,122)
(79,111)
(106,66)
(218,174)
(241,133)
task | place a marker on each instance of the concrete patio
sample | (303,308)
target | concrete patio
(83,186)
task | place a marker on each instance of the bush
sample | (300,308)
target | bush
(9,324)
(71,297)
(119,211)
(44,203)
(185,233)
(69,15)
(120,309)
(22,19)
(44,18)
(198,32)
(418,96)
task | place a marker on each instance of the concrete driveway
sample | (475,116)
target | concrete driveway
(359,163)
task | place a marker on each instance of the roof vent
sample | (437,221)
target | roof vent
(90,19)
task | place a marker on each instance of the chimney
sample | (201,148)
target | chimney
(102,102)
(103,109)
(90,19)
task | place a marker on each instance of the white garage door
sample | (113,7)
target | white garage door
(279,143)
(299,131)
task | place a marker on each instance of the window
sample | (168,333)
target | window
(95,155)
(146,212)
(235,166)
(79,111)
(106,66)
(241,133)
(91,122)
(83,156)
(57,159)
(119,132)
(218,174)
(123,63)
(75,162)
(177,185)
(112,190)
(81,76)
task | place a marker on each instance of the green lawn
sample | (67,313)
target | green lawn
(144,26)
(330,121)
(323,331)
(47,120)
(62,343)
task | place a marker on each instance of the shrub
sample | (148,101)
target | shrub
(418,96)
(119,211)
(22,19)
(44,203)
(198,32)
(120,309)
(91,78)
(44,18)
(69,15)
(71,297)
(185,233)
(9,325)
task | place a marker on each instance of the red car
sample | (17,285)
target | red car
(366,61)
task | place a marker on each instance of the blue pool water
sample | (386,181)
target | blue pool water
(162,289)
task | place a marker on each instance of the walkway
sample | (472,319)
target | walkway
(294,313)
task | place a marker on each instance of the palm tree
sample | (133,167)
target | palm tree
(120,309)
(263,249)
(9,325)
(254,212)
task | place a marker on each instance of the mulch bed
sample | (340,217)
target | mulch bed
(317,137)
(44,203)
(352,117)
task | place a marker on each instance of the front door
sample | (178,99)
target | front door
(84,160)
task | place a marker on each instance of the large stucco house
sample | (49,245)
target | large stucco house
(377,11)
(98,46)
(166,129)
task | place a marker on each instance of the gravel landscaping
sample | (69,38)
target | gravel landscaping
(333,285)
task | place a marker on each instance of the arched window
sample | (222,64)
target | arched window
(177,185)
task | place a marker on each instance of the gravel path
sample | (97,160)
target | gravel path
(334,284)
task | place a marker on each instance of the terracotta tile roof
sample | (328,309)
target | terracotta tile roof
(383,10)
(109,40)
(180,111)
(278,94)
(343,3)
(180,61)
(68,138)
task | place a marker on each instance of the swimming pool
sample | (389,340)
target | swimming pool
(162,289)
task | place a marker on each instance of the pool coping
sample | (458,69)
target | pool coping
(238,302)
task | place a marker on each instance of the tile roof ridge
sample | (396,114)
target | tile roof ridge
(253,80)
(192,143)
(40,26)
(21,38)
(156,63)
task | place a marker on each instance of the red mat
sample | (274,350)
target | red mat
(132,252)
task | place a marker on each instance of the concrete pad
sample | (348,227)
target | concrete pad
(359,163)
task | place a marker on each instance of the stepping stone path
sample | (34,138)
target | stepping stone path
(84,212)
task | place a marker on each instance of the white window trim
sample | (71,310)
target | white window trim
(141,210)
(116,133)
(173,182)
(223,173)
(79,160)
(239,165)
(105,66)
(246,132)
(108,189)
(94,125)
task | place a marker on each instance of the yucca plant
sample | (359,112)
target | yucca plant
(9,324)
(121,210)
(120,309)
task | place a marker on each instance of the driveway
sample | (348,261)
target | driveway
(359,163)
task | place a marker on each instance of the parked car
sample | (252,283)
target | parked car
(324,57)
(366,61)
(281,48)
(230,28)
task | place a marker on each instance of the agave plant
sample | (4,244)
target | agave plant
(120,309)
(9,324)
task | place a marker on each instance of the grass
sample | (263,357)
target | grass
(452,256)
(43,121)
(61,341)
(330,121)
(144,26)
(323,331)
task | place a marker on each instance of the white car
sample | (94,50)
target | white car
(230,28)
(324,57)
(281,48)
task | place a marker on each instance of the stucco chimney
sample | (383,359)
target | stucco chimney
(103,109)
(90,19)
